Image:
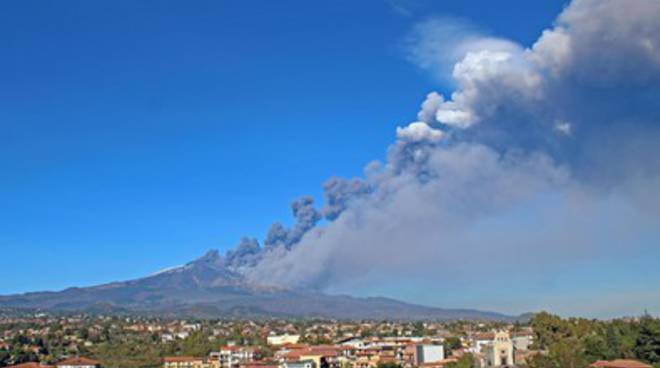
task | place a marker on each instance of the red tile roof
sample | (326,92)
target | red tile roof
(620,363)
(292,355)
(31,365)
(485,336)
(78,361)
(181,359)
(294,346)
(259,364)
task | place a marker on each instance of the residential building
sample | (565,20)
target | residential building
(522,340)
(425,353)
(480,340)
(78,363)
(32,365)
(282,339)
(323,356)
(298,364)
(354,342)
(184,362)
(620,363)
(260,364)
(233,356)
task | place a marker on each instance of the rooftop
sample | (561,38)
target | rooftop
(620,363)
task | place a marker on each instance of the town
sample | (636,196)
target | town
(40,340)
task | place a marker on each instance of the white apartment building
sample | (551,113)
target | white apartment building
(282,339)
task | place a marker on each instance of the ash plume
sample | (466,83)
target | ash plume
(306,217)
(339,193)
(246,254)
(562,134)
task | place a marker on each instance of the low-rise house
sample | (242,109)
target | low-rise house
(323,355)
(480,340)
(365,362)
(354,342)
(31,365)
(522,340)
(79,362)
(192,327)
(425,353)
(620,363)
(260,364)
(298,364)
(290,351)
(233,356)
(182,335)
(282,339)
(184,362)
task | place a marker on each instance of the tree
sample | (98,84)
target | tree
(540,361)
(418,329)
(388,365)
(4,358)
(451,344)
(614,343)
(648,342)
(197,344)
(549,329)
(596,348)
(568,354)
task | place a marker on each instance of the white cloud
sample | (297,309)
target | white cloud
(563,127)
(593,45)
(419,132)
(437,44)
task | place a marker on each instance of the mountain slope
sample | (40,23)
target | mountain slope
(208,288)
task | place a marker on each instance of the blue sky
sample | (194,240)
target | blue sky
(138,134)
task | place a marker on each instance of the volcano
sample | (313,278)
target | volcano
(208,288)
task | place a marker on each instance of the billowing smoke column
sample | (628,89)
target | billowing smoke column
(306,218)
(567,130)
(339,193)
(246,254)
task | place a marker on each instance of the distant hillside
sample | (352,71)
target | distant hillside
(207,288)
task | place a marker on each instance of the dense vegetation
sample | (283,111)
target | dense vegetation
(112,345)
(576,342)
(120,350)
